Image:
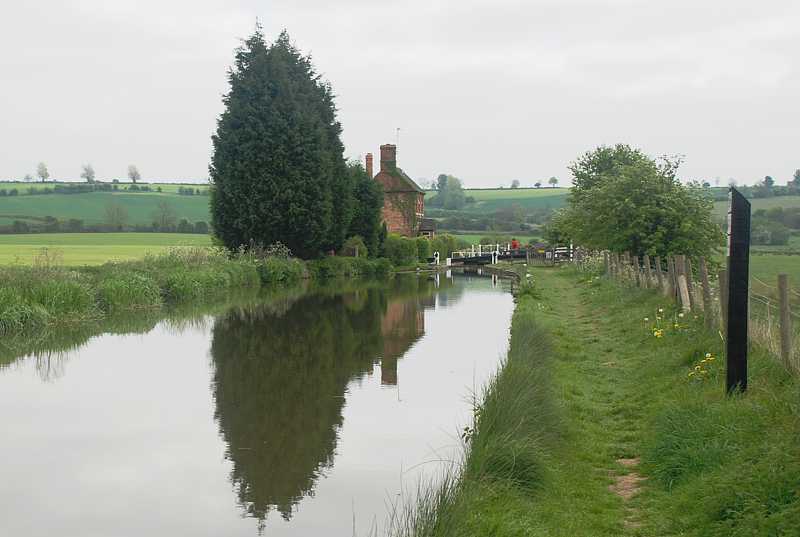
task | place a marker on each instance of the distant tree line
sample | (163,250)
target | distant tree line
(774,226)
(766,188)
(189,191)
(84,188)
(50,224)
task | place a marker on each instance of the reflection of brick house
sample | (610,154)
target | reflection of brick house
(403,199)
(401,326)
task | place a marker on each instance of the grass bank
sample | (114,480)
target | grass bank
(609,418)
(48,293)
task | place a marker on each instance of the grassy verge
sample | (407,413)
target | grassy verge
(595,427)
(47,293)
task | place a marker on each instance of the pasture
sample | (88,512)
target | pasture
(475,238)
(527,198)
(74,249)
(721,207)
(91,207)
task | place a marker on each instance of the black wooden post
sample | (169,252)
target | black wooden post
(738,292)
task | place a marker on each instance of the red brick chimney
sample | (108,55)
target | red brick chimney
(388,157)
(369,165)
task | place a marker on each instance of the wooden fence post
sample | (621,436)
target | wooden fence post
(690,283)
(680,269)
(707,308)
(606,264)
(660,274)
(672,286)
(637,277)
(786,320)
(648,273)
(683,288)
(625,261)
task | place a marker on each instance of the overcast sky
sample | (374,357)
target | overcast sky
(489,91)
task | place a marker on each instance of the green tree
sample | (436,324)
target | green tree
(537,184)
(116,215)
(368,203)
(133,174)
(454,197)
(769,182)
(629,202)
(278,170)
(796,179)
(603,162)
(553,181)
(441,182)
(515,183)
(88,173)
(42,172)
(164,216)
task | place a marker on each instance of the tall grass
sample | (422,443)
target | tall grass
(48,293)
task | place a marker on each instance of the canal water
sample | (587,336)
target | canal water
(303,414)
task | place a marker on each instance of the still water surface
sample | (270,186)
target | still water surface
(311,414)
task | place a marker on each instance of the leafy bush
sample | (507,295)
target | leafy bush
(400,250)
(423,249)
(446,244)
(355,247)
(274,270)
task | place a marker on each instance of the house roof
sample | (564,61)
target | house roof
(427,224)
(402,182)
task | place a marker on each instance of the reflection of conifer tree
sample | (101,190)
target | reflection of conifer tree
(279,386)
(280,379)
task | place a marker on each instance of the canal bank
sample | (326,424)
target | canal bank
(595,427)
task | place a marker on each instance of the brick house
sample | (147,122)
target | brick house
(403,199)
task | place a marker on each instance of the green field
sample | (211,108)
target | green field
(474,238)
(91,207)
(91,248)
(527,198)
(767,267)
(721,207)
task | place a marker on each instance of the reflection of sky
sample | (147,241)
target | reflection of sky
(125,443)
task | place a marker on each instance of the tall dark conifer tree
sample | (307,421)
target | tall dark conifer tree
(278,168)
(368,202)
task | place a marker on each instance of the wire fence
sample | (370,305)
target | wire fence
(774,310)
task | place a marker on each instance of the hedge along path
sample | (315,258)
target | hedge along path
(603,406)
